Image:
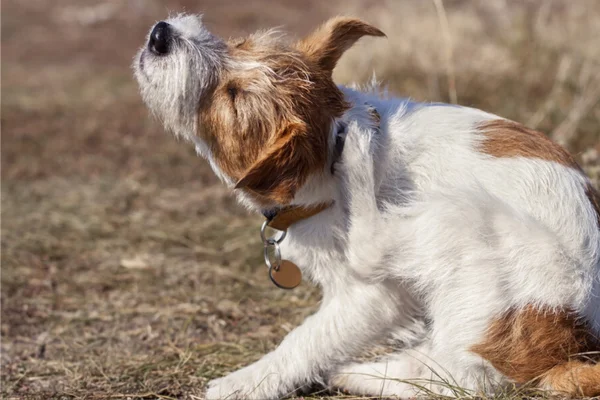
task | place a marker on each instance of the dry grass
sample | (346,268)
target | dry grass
(127,270)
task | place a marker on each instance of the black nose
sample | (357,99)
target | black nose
(160,38)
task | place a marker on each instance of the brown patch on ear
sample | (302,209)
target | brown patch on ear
(594,197)
(326,45)
(284,167)
(506,139)
(526,344)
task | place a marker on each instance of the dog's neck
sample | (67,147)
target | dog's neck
(314,197)
(282,218)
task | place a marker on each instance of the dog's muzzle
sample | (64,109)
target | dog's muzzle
(160,38)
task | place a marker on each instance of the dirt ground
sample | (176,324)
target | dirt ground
(127,270)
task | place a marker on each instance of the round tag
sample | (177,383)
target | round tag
(287,276)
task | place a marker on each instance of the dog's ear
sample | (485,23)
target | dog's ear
(327,44)
(284,166)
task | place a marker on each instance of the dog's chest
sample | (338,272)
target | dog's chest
(319,253)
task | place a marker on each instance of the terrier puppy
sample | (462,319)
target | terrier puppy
(472,239)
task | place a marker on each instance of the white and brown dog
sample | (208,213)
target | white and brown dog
(471,239)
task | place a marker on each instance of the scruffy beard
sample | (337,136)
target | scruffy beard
(172,85)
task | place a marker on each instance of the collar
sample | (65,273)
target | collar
(282,218)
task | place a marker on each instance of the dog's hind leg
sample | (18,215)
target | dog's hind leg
(400,375)
(357,195)
(406,375)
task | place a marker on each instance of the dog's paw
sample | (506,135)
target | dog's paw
(355,167)
(357,147)
(247,383)
(215,389)
(356,144)
(229,388)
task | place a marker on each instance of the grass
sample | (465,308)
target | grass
(128,271)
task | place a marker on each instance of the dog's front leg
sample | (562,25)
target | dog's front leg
(350,318)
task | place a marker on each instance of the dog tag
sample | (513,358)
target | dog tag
(287,276)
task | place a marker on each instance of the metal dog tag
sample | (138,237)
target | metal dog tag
(287,276)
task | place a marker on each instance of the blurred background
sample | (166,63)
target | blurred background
(127,269)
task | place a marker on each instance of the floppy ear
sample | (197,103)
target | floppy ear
(327,44)
(284,167)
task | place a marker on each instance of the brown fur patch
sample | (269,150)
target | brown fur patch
(594,197)
(272,104)
(268,120)
(575,378)
(286,164)
(526,344)
(505,139)
(258,98)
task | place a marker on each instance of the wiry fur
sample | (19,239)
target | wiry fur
(446,233)
(173,86)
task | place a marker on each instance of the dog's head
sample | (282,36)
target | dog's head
(260,109)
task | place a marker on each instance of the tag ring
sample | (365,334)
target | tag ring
(275,239)
(276,256)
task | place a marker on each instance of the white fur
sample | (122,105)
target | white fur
(172,85)
(425,224)
(424,228)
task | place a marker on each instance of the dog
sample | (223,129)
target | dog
(470,239)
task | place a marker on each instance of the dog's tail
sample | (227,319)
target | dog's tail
(573,378)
